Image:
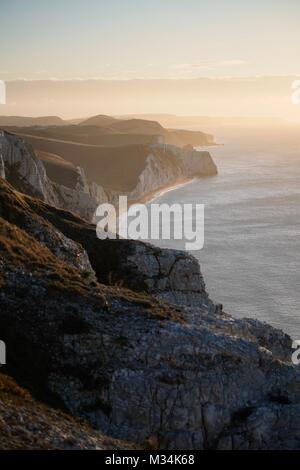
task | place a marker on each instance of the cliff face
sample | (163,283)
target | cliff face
(167,164)
(163,165)
(26,424)
(172,275)
(26,172)
(166,376)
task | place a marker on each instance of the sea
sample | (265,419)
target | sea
(251,255)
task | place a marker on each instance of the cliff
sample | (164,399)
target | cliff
(167,164)
(93,175)
(26,424)
(27,173)
(165,375)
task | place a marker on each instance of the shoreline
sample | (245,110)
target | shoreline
(156,193)
(147,198)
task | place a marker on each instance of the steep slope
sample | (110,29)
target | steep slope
(21,167)
(168,274)
(135,367)
(87,175)
(26,424)
(59,170)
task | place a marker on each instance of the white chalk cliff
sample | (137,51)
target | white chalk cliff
(21,167)
(164,165)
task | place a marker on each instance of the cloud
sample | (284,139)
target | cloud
(207,65)
(233,62)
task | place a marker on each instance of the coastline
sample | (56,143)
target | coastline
(156,193)
(147,198)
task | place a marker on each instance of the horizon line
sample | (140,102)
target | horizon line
(82,79)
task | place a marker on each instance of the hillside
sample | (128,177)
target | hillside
(100,121)
(90,175)
(106,130)
(207,123)
(23,121)
(98,172)
(26,424)
(59,170)
(89,135)
(180,374)
(139,126)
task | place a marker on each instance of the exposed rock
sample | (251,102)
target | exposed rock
(134,366)
(167,164)
(267,427)
(155,166)
(27,173)
(26,424)
(2,167)
(169,274)
(15,209)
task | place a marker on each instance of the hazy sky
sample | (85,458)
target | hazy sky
(119,39)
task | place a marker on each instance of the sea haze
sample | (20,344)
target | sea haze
(251,254)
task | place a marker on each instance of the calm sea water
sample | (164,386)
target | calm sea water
(250,259)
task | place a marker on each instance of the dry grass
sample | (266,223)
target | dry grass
(30,425)
(21,250)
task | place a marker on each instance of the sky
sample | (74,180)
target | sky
(124,39)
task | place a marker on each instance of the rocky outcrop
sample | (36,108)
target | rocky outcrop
(27,173)
(193,162)
(167,164)
(168,274)
(133,366)
(26,424)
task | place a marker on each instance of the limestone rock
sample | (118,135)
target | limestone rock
(164,165)
(26,424)
(27,173)
(133,366)
(171,275)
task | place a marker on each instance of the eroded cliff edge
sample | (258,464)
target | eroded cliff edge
(154,167)
(164,375)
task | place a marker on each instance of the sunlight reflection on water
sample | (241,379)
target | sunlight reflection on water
(250,259)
